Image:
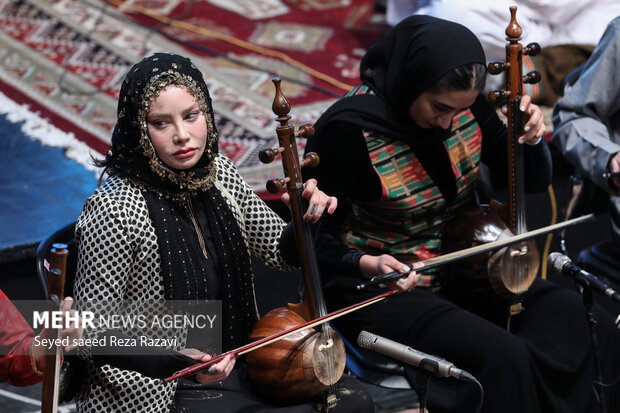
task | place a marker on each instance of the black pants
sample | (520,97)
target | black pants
(235,395)
(544,364)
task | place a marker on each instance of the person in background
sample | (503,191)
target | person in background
(22,359)
(547,23)
(586,121)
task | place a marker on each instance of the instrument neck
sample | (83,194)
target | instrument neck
(516,171)
(314,300)
(56,286)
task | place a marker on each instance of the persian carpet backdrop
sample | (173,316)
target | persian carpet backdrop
(65,60)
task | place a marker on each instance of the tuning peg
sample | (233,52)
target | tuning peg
(305,131)
(267,155)
(274,185)
(532,49)
(497,67)
(311,159)
(497,95)
(532,77)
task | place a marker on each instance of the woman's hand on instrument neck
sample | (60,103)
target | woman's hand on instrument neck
(534,126)
(373,265)
(216,372)
(318,201)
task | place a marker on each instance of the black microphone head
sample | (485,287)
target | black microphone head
(366,340)
(557,261)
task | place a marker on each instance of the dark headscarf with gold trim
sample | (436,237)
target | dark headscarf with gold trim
(132,154)
(178,200)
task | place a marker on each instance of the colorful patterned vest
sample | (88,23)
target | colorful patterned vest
(407,221)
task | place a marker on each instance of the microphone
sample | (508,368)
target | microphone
(563,265)
(435,365)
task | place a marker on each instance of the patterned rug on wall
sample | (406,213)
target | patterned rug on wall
(65,59)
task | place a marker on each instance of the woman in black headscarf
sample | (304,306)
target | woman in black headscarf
(176,222)
(402,152)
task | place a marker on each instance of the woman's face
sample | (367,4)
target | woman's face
(432,110)
(177,128)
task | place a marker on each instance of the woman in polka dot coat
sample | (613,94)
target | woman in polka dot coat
(176,221)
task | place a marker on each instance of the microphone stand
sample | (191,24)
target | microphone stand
(588,302)
(423,377)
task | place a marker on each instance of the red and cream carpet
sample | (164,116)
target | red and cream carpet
(65,60)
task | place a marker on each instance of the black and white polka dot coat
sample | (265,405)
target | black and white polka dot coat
(118,260)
